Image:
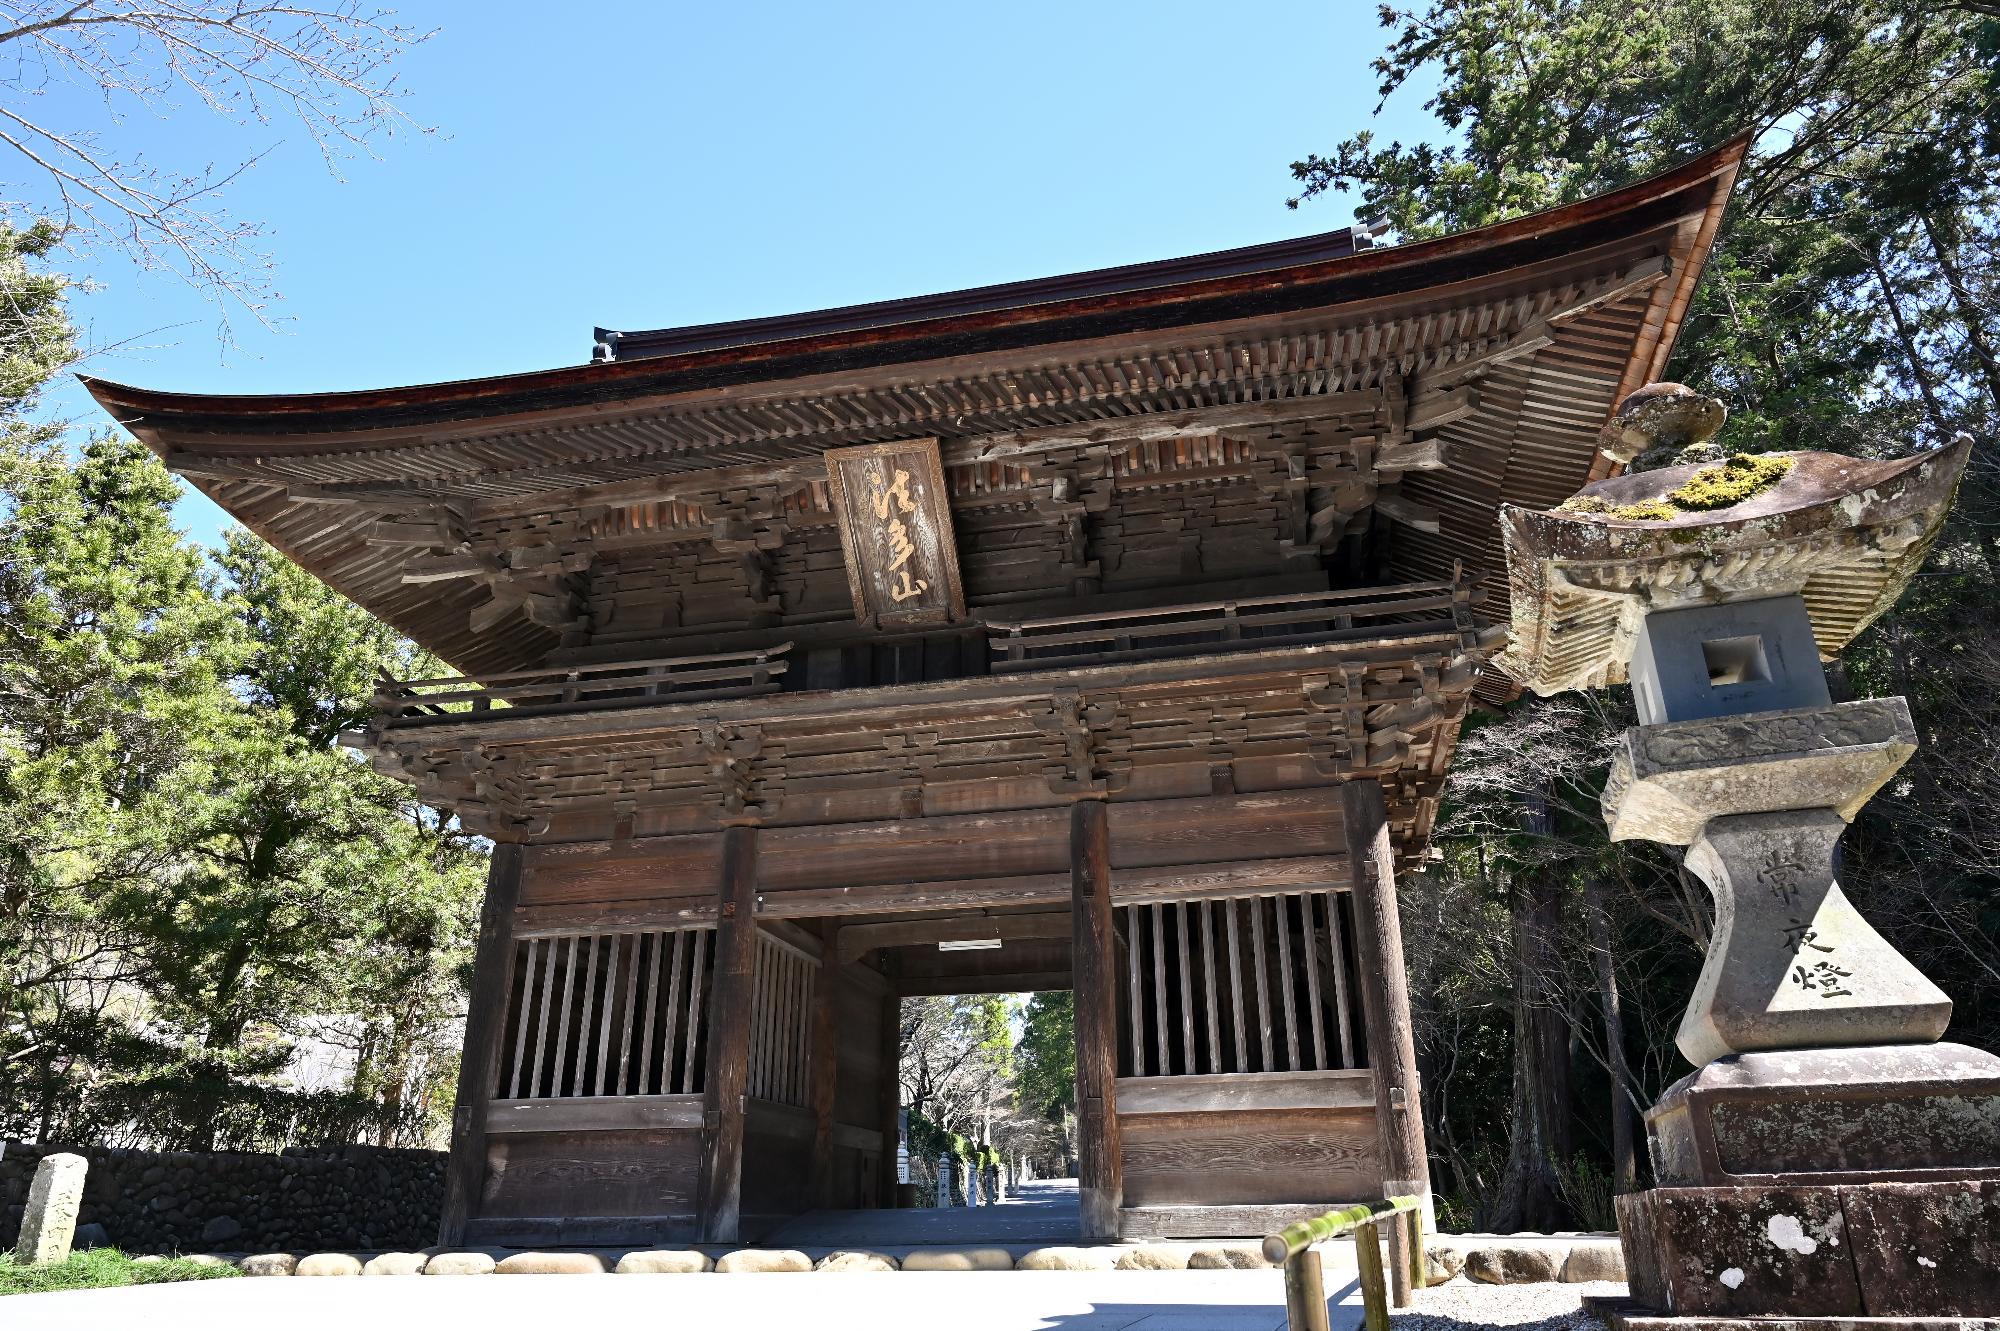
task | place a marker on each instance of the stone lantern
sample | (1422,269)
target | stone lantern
(1829,1156)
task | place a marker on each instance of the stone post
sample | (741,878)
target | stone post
(54,1199)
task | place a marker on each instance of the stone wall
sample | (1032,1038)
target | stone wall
(301,1200)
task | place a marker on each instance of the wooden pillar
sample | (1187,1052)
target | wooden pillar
(485,1028)
(1385,990)
(889,1102)
(825,1080)
(731,993)
(1094,969)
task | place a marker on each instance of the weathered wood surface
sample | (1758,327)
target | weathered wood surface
(1205,1222)
(1385,995)
(595,1114)
(1235,1091)
(827,1009)
(485,1031)
(728,1061)
(856,941)
(888,1108)
(1260,1157)
(649,1172)
(1094,961)
(893,508)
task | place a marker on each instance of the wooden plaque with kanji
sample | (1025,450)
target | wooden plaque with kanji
(895,529)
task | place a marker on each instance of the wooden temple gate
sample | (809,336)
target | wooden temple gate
(1110,633)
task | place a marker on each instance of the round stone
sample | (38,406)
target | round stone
(550,1264)
(1153,1257)
(1509,1264)
(1066,1259)
(329,1264)
(268,1264)
(758,1261)
(459,1264)
(1442,1263)
(1593,1260)
(662,1263)
(394,1264)
(855,1261)
(959,1259)
(1228,1257)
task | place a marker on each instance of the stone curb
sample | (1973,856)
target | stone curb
(1540,1259)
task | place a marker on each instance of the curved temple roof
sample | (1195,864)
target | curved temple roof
(1508,345)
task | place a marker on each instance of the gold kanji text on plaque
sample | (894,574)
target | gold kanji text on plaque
(895,529)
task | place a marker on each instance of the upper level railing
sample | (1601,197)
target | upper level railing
(586,687)
(1090,637)
(1195,628)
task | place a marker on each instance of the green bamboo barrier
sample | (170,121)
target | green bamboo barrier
(1305,1292)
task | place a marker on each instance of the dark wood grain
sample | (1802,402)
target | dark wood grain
(1251,1156)
(1385,993)
(1094,962)
(728,1065)
(485,1028)
(649,1172)
(825,1074)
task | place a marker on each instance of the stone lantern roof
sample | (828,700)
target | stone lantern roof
(1844,534)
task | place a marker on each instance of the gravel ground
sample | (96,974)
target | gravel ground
(1463,1304)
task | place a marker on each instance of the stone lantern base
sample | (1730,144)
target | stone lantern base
(1897,1113)
(1821,1186)
(1914,1252)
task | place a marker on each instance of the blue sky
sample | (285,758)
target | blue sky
(645,165)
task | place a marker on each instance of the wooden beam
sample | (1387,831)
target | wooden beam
(1128,430)
(1429,411)
(609,1113)
(485,1028)
(1411,514)
(954,893)
(719,1213)
(1235,1092)
(1014,982)
(889,1098)
(1094,969)
(1385,991)
(825,1073)
(858,940)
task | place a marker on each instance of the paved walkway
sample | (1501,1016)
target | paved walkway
(1039,1214)
(1012,1301)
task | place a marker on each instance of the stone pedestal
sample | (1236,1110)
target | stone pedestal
(1884,1250)
(54,1199)
(1904,1113)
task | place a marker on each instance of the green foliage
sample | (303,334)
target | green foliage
(1045,1055)
(192,875)
(36,339)
(103,1268)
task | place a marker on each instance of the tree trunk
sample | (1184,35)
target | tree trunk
(1907,336)
(1530,1192)
(1624,1158)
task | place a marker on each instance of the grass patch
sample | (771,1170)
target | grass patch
(102,1268)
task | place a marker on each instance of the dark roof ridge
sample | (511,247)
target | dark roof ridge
(613,344)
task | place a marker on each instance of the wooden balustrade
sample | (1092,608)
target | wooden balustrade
(1253,984)
(607,1014)
(1413,610)
(669,679)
